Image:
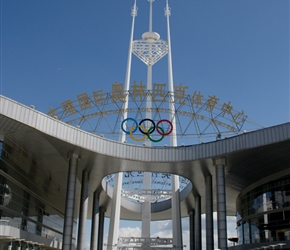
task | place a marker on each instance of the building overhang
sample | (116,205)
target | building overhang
(252,158)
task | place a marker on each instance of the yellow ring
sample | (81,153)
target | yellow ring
(138,140)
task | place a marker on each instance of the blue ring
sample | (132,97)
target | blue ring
(129,119)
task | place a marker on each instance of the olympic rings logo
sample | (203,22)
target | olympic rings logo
(144,131)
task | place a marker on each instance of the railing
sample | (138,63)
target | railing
(144,243)
(144,194)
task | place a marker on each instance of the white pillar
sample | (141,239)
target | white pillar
(197,224)
(115,213)
(146,207)
(191,230)
(101,228)
(221,203)
(176,214)
(209,213)
(95,222)
(70,202)
(83,211)
(129,61)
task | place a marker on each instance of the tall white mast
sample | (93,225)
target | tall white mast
(146,205)
(175,202)
(116,199)
(129,61)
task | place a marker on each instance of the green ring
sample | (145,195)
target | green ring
(148,134)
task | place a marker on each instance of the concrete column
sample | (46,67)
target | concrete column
(176,214)
(146,207)
(197,223)
(115,213)
(191,230)
(221,203)
(101,228)
(94,228)
(83,211)
(70,202)
(209,213)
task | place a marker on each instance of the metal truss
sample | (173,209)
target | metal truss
(150,53)
(198,118)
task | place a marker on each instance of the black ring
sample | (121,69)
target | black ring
(151,131)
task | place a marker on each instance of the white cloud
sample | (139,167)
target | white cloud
(130,232)
(162,234)
(161,225)
(163,229)
(231,226)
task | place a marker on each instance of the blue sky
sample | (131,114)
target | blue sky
(238,50)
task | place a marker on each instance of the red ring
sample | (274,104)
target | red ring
(171,127)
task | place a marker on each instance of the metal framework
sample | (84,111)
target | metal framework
(133,186)
(150,53)
(198,118)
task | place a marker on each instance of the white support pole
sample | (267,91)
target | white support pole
(209,213)
(170,70)
(221,203)
(191,230)
(115,213)
(83,211)
(116,199)
(70,202)
(146,207)
(176,214)
(197,225)
(101,228)
(95,222)
(129,61)
(150,16)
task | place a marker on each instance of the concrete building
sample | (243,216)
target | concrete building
(50,171)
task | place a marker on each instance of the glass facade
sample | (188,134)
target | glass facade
(25,199)
(263,214)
